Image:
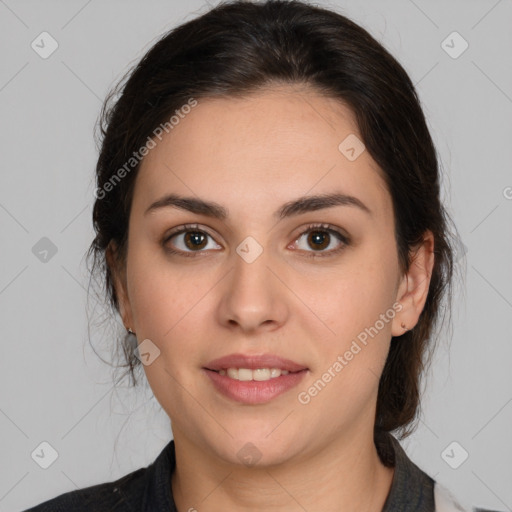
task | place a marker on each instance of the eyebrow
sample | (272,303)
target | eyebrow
(291,208)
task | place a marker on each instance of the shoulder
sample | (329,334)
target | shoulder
(145,489)
(412,489)
(446,502)
(124,494)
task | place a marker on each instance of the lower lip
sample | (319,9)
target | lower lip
(252,391)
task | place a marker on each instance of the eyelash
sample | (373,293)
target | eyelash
(310,254)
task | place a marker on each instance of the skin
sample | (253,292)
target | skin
(252,155)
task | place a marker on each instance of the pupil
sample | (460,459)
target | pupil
(317,236)
(195,238)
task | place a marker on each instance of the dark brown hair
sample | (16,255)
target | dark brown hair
(239,47)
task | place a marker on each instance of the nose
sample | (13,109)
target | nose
(253,295)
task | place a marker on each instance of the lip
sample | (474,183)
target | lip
(254,362)
(254,392)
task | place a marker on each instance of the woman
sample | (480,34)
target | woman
(269,224)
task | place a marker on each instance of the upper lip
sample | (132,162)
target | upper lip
(254,362)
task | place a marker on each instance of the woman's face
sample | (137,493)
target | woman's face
(257,282)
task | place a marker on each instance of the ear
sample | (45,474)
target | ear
(413,288)
(118,273)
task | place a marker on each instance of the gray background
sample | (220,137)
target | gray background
(54,388)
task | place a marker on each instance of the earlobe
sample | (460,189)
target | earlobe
(413,290)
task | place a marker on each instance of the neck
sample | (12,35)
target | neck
(343,474)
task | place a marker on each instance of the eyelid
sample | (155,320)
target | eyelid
(342,237)
(185,228)
(322,226)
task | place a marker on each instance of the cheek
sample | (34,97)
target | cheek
(356,303)
(167,309)
(351,298)
(357,306)
(161,303)
(167,303)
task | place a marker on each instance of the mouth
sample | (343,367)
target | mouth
(254,379)
(258,374)
(246,362)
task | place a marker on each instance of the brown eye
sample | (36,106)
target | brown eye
(195,240)
(188,240)
(318,238)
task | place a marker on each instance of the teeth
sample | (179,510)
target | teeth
(246,374)
(261,374)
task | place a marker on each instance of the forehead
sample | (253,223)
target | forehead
(275,144)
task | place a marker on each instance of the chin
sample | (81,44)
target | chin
(253,447)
